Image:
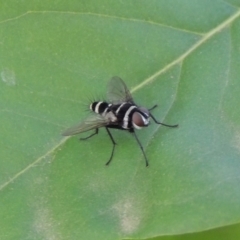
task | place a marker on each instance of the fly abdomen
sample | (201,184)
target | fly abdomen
(99,107)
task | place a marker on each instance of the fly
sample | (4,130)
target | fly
(120,113)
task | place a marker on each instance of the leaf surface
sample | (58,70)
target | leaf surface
(58,57)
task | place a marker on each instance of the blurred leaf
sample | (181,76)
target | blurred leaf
(57,57)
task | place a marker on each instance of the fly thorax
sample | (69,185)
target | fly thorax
(111,116)
(140,118)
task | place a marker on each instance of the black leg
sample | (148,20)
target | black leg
(96,132)
(113,142)
(140,145)
(150,109)
(166,125)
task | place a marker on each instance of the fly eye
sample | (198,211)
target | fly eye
(139,121)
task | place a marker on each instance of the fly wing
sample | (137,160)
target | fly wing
(92,122)
(118,91)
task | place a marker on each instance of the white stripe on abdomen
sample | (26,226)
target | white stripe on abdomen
(126,117)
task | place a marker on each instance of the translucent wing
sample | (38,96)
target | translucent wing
(118,91)
(92,122)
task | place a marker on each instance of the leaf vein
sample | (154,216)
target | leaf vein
(181,58)
(100,15)
(32,164)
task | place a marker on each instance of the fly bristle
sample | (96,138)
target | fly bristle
(90,100)
(97,98)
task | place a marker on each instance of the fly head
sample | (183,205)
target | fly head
(140,118)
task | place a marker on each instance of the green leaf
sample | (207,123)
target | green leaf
(58,57)
(228,232)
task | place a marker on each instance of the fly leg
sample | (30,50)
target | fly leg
(150,109)
(96,132)
(141,147)
(157,122)
(114,144)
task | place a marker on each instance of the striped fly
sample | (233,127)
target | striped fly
(120,112)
